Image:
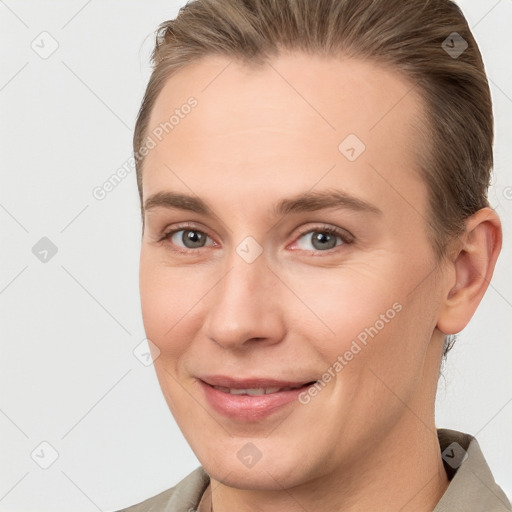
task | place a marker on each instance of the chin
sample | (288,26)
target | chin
(270,473)
(252,479)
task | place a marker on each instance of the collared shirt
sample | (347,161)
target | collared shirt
(472,487)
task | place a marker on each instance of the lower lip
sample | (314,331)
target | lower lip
(249,407)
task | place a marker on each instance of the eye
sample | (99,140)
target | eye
(322,239)
(186,239)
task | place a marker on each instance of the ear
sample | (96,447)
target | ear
(471,270)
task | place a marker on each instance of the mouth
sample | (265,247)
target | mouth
(256,391)
(250,399)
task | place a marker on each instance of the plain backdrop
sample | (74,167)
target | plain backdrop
(74,397)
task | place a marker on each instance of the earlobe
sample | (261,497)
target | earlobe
(473,268)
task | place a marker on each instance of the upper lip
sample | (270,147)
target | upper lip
(252,383)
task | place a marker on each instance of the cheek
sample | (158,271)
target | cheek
(347,306)
(161,303)
(372,320)
(172,303)
(393,362)
(154,301)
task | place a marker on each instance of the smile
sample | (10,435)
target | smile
(250,399)
(255,391)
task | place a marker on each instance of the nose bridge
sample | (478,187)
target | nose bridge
(243,303)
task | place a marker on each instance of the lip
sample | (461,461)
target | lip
(249,407)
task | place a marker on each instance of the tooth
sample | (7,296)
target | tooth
(220,388)
(256,391)
(238,391)
(252,392)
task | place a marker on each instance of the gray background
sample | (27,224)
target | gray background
(69,376)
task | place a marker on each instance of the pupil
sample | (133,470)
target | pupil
(193,239)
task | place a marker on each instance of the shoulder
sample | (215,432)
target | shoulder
(183,497)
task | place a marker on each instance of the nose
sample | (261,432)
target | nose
(246,306)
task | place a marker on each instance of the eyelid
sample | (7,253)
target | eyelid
(168,233)
(344,235)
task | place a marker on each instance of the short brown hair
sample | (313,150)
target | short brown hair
(412,37)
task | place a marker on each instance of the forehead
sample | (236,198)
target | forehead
(287,123)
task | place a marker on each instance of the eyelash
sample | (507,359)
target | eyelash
(345,237)
(181,227)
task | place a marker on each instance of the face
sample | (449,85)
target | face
(285,252)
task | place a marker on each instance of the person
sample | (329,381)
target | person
(313,180)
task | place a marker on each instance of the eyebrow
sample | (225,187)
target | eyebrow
(305,202)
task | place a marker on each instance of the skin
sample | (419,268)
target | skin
(367,441)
